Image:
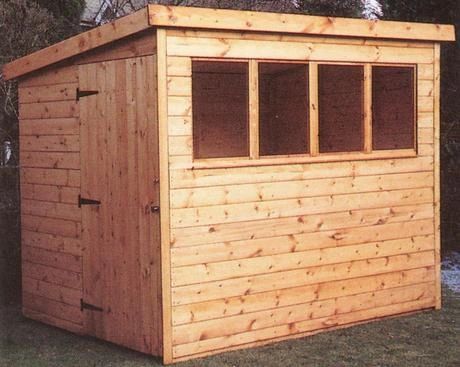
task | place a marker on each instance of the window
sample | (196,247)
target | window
(220,109)
(340,99)
(283,109)
(393,108)
(266,111)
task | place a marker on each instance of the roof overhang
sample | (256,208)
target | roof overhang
(187,17)
(78,44)
(232,20)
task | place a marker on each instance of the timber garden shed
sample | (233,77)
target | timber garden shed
(197,180)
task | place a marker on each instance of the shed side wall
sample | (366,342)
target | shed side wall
(52,247)
(264,253)
(50,184)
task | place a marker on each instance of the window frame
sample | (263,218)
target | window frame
(257,121)
(245,157)
(414,68)
(366,124)
(255,159)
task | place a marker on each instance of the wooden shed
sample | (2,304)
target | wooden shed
(195,181)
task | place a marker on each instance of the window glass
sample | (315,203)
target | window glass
(283,109)
(341,113)
(220,109)
(393,116)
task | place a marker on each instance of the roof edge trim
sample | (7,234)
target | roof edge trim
(78,44)
(207,18)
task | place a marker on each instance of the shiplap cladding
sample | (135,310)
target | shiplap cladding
(50,184)
(51,161)
(267,252)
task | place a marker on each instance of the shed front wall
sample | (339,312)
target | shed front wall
(267,252)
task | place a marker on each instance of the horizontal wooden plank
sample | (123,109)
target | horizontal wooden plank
(290,226)
(234,250)
(243,212)
(180,106)
(46,176)
(209,272)
(300,277)
(48,110)
(48,93)
(287,315)
(62,74)
(285,330)
(60,126)
(64,278)
(50,160)
(179,66)
(137,45)
(179,125)
(236,48)
(220,195)
(58,227)
(52,308)
(54,321)
(55,259)
(52,242)
(186,161)
(425,120)
(179,86)
(51,193)
(51,209)
(425,104)
(425,72)
(50,143)
(240,305)
(426,150)
(51,291)
(40,192)
(286,37)
(426,135)
(425,88)
(69,194)
(180,145)
(74,178)
(183,17)
(231,176)
(78,44)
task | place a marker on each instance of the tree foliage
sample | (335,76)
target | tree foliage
(68,11)
(345,8)
(431,11)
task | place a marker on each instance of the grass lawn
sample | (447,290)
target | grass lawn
(426,339)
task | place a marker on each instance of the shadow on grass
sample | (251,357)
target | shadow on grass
(426,339)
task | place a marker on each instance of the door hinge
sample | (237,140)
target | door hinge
(87,306)
(84,201)
(85,93)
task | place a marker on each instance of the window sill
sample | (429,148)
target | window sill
(300,159)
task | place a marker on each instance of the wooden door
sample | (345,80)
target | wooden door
(119,168)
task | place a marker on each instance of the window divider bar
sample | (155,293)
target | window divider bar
(253,109)
(368,108)
(314,108)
